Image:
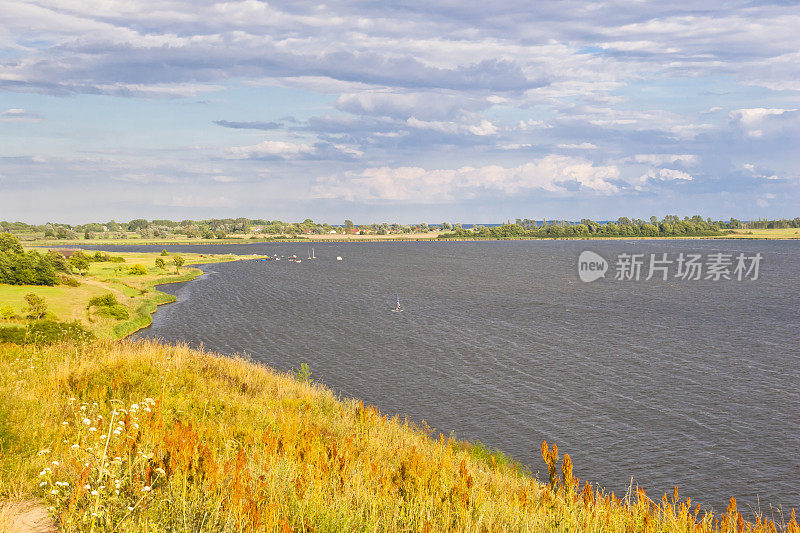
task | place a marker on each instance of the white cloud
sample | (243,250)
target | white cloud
(759,121)
(581,146)
(484,128)
(667,174)
(16,114)
(663,159)
(270,149)
(553,173)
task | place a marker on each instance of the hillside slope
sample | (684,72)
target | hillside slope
(123,436)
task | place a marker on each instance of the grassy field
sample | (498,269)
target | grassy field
(142,437)
(135,292)
(783,233)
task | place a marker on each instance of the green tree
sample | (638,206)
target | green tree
(138,224)
(348,226)
(79,262)
(37,307)
(164,252)
(179,261)
(160,262)
(9,243)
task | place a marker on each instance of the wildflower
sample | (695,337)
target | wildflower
(75,446)
(87,487)
(130,508)
(146,489)
(83,407)
(44,472)
(95,493)
(65,423)
(43,452)
(134,407)
(92,429)
(87,422)
(55,463)
(54,492)
(43,483)
(102,437)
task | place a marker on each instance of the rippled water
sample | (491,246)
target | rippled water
(693,383)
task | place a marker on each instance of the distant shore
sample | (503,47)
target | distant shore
(754,234)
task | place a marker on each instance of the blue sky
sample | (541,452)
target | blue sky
(462,111)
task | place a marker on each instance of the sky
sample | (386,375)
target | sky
(467,111)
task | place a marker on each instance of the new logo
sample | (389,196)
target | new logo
(591,266)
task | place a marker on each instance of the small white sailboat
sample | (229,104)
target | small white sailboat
(312,254)
(338,257)
(397,308)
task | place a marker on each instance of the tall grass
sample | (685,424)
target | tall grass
(122,436)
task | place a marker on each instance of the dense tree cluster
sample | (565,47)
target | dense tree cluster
(18,267)
(670,226)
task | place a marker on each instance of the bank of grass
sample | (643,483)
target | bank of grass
(150,437)
(137,292)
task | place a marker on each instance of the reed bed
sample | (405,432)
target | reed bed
(142,436)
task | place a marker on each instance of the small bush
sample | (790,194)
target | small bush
(116,259)
(137,270)
(66,280)
(118,311)
(7,312)
(105,300)
(37,306)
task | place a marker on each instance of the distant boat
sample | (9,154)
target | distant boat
(397,308)
(338,257)
(312,254)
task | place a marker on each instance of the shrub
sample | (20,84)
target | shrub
(118,311)
(66,280)
(7,312)
(46,332)
(106,299)
(137,270)
(116,259)
(37,307)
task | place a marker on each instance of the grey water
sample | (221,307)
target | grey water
(677,382)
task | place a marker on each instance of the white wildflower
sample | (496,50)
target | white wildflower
(146,489)
(43,483)
(43,452)
(92,429)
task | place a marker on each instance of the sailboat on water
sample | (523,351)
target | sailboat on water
(397,308)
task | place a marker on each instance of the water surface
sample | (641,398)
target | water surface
(693,383)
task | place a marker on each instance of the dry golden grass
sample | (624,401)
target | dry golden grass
(120,436)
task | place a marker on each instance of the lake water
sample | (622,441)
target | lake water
(694,383)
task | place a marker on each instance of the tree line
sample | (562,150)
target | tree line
(669,226)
